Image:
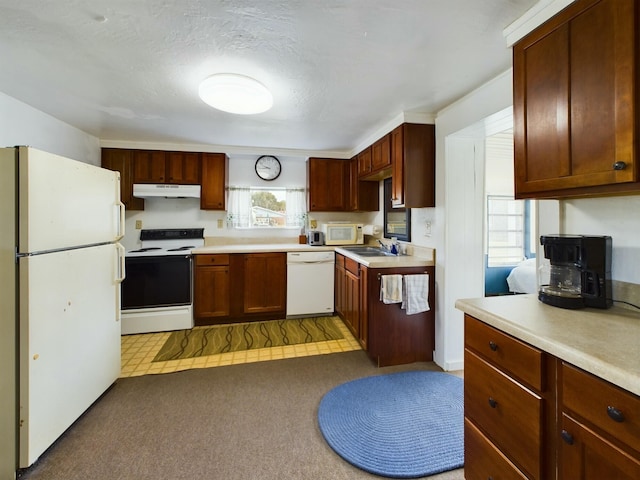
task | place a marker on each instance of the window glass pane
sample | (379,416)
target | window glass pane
(505,235)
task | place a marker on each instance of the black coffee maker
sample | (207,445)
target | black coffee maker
(579,271)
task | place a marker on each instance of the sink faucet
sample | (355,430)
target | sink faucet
(383,246)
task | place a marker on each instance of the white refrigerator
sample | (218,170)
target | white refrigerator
(66,272)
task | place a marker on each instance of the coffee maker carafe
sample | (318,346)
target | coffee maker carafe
(579,271)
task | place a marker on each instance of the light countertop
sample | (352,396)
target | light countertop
(372,262)
(605,343)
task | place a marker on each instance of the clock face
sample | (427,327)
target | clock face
(268,167)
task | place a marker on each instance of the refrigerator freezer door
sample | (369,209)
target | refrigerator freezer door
(69,340)
(65,203)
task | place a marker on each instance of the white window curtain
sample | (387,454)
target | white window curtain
(296,207)
(240,213)
(239,209)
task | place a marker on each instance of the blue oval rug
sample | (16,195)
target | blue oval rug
(401,425)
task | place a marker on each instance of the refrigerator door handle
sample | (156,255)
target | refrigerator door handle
(121,263)
(121,220)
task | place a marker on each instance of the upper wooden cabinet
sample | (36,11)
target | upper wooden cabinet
(413,155)
(364,196)
(121,160)
(156,166)
(364,162)
(381,154)
(215,174)
(575,102)
(327,180)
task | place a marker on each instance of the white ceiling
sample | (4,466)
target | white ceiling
(128,70)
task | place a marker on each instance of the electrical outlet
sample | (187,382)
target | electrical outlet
(427,229)
(138,224)
(219,223)
(313,224)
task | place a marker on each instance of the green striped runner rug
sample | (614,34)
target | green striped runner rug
(212,340)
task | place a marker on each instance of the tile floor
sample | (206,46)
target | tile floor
(138,352)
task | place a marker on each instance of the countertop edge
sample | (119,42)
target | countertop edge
(613,372)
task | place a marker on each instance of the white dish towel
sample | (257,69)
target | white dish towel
(415,293)
(391,288)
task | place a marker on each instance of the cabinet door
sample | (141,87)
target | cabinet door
(328,182)
(214,181)
(584,455)
(340,286)
(397,173)
(364,196)
(352,302)
(574,101)
(364,162)
(265,282)
(183,168)
(121,160)
(381,153)
(211,291)
(149,166)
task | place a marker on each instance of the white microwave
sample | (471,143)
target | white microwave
(343,234)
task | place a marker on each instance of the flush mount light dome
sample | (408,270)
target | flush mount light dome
(234,93)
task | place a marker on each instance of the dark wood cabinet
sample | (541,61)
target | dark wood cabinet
(413,154)
(328,181)
(212,287)
(600,428)
(265,283)
(149,166)
(509,400)
(215,174)
(183,168)
(364,162)
(530,415)
(576,102)
(364,196)
(121,160)
(239,287)
(157,166)
(381,154)
(348,295)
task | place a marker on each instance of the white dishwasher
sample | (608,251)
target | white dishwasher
(310,277)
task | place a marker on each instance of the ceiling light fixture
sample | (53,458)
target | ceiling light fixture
(234,93)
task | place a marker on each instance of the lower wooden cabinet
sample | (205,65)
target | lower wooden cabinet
(385,331)
(530,415)
(239,287)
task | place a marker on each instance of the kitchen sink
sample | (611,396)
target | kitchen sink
(369,252)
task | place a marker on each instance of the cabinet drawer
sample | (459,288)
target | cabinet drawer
(515,357)
(352,266)
(218,259)
(513,414)
(483,460)
(599,402)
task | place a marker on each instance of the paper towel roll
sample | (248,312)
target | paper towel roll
(372,229)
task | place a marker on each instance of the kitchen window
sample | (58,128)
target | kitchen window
(256,207)
(508,230)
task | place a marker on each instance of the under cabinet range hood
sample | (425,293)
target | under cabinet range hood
(166,190)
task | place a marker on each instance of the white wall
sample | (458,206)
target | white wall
(21,124)
(457,219)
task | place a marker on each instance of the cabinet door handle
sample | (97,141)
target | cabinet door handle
(493,345)
(492,402)
(567,437)
(619,165)
(615,414)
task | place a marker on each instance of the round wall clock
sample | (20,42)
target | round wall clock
(268,167)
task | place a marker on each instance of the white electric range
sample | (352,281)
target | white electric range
(157,292)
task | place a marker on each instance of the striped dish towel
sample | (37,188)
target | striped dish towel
(415,294)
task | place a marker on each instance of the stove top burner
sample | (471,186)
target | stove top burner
(179,249)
